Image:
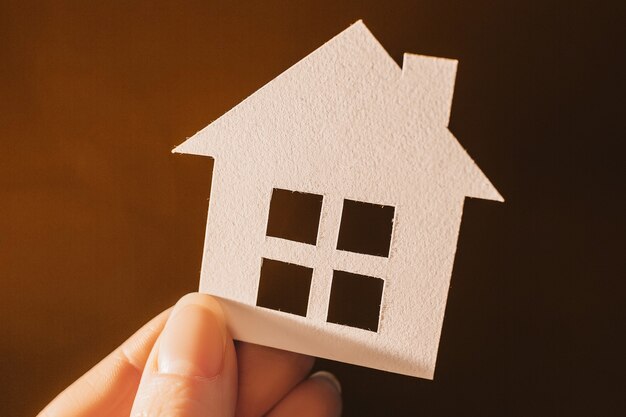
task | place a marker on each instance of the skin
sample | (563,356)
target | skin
(185,363)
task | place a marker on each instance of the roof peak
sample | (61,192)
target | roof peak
(335,94)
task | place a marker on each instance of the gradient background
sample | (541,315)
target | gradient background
(101,227)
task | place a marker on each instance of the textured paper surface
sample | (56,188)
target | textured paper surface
(346,122)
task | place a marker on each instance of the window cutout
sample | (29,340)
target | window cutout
(284,287)
(365,228)
(355,300)
(294,216)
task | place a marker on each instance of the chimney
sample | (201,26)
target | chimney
(431,82)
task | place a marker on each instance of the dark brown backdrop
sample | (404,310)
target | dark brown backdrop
(101,227)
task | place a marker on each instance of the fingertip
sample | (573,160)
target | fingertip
(329,378)
(203,300)
(193,343)
(192,367)
(327,389)
(317,396)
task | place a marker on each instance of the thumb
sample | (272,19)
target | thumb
(192,368)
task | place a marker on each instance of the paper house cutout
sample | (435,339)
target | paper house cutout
(342,130)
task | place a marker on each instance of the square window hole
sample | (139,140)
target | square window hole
(284,286)
(355,300)
(365,228)
(294,216)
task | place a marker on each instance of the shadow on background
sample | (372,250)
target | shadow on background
(101,227)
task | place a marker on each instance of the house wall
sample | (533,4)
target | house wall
(416,274)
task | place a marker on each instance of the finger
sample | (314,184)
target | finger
(266,375)
(192,369)
(108,389)
(318,396)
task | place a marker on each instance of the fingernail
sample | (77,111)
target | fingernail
(328,377)
(192,343)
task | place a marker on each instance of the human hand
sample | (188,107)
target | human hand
(184,363)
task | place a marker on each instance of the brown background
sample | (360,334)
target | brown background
(101,227)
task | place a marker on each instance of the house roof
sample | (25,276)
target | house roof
(352,81)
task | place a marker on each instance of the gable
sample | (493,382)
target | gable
(351,100)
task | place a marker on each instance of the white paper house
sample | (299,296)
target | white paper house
(343,127)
